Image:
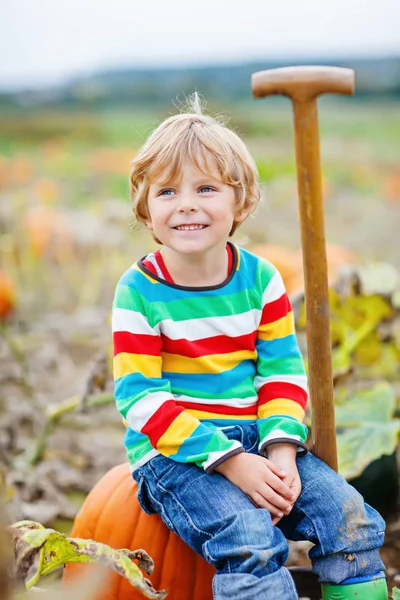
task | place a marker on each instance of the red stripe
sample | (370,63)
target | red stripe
(276,389)
(217,408)
(163,268)
(276,310)
(149,266)
(230,258)
(135,343)
(159,422)
(219,344)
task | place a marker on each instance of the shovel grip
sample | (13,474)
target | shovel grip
(303,83)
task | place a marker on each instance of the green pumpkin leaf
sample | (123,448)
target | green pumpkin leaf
(359,446)
(375,405)
(39,551)
(395,593)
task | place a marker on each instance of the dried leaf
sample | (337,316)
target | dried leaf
(378,278)
(39,551)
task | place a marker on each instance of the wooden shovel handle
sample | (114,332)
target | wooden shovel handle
(303,83)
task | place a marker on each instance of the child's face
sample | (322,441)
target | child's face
(194,213)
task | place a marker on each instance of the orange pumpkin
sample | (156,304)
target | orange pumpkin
(47,231)
(290,263)
(7,296)
(111,514)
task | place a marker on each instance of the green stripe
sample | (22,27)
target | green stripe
(264,274)
(286,424)
(128,298)
(137,451)
(218,443)
(207,306)
(244,390)
(293,365)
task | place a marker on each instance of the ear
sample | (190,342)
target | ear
(149,225)
(240,216)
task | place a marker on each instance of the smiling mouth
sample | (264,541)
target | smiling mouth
(189,227)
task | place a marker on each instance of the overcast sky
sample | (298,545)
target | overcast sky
(45,41)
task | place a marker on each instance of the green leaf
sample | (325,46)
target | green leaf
(375,405)
(39,551)
(359,446)
(395,593)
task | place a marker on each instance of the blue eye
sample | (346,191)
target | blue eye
(167,192)
(207,188)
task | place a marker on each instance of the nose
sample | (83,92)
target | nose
(187,204)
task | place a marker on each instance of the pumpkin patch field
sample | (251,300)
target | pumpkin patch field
(67,234)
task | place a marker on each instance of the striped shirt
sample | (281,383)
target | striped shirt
(189,361)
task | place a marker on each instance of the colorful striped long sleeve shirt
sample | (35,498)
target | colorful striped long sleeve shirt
(190,361)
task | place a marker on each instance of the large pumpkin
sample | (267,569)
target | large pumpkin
(111,514)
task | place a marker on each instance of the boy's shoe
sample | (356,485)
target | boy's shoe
(376,589)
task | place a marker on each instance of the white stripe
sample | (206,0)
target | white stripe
(143,409)
(198,329)
(300,380)
(144,459)
(151,257)
(131,321)
(274,289)
(236,402)
(215,456)
(279,434)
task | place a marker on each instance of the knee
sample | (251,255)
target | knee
(247,543)
(341,519)
(360,527)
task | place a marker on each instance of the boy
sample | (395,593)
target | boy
(211,384)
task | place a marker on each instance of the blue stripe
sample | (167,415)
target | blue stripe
(226,422)
(132,437)
(279,348)
(248,267)
(136,383)
(212,383)
(195,443)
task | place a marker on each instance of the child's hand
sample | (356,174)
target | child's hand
(261,480)
(284,456)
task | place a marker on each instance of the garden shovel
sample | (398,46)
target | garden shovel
(303,85)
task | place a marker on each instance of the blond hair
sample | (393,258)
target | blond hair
(206,142)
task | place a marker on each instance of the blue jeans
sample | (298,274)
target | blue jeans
(221,524)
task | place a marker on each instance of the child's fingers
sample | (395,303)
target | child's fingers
(262,502)
(274,468)
(273,498)
(280,487)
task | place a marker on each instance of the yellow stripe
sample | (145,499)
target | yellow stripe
(179,430)
(238,258)
(125,364)
(281,406)
(137,268)
(277,329)
(212,363)
(200,414)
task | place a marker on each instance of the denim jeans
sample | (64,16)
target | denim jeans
(221,524)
